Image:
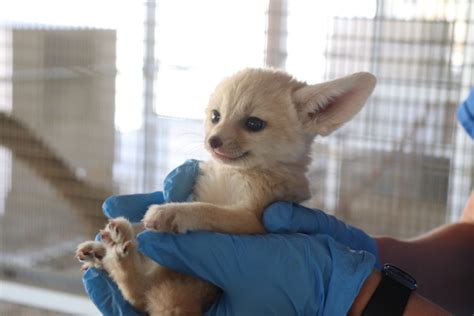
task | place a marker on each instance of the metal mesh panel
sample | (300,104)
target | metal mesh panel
(398,158)
(85,112)
(57,139)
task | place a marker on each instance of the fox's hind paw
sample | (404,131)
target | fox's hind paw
(117,231)
(90,253)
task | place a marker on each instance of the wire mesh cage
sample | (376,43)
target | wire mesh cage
(88,110)
(398,154)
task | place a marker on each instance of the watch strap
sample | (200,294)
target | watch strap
(389,299)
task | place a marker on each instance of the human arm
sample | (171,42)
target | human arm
(292,218)
(285,217)
(442,261)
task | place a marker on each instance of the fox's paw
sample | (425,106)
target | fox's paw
(117,231)
(166,218)
(91,253)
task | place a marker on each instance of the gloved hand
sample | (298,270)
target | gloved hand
(178,186)
(274,274)
(285,217)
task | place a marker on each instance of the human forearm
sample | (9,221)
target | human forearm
(442,261)
(416,305)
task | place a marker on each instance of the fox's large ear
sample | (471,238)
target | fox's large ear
(326,106)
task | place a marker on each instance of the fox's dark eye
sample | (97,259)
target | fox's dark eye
(215,116)
(254,124)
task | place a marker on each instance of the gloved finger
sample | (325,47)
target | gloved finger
(346,272)
(214,257)
(285,217)
(105,294)
(133,206)
(179,183)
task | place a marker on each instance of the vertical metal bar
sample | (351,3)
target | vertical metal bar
(276,50)
(377,31)
(149,81)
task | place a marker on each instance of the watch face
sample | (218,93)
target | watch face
(400,276)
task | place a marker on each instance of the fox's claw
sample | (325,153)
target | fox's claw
(117,231)
(113,225)
(117,239)
(90,253)
(105,236)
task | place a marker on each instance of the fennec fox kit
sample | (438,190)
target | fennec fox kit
(259,128)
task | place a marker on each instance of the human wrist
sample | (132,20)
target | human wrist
(365,293)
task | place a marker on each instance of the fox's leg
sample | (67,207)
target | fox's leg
(147,286)
(116,253)
(182,217)
(177,294)
(125,265)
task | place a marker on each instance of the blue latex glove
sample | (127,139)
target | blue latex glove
(465,114)
(178,186)
(285,217)
(106,295)
(274,274)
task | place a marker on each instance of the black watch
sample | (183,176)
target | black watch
(392,294)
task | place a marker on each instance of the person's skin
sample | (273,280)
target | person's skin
(442,261)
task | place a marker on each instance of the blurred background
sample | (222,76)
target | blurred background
(106,97)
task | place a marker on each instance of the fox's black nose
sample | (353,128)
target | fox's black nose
(215,142)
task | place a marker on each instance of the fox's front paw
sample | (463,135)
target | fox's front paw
(91,253)
(166,218)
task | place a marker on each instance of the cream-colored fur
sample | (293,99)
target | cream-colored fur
(250,168)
